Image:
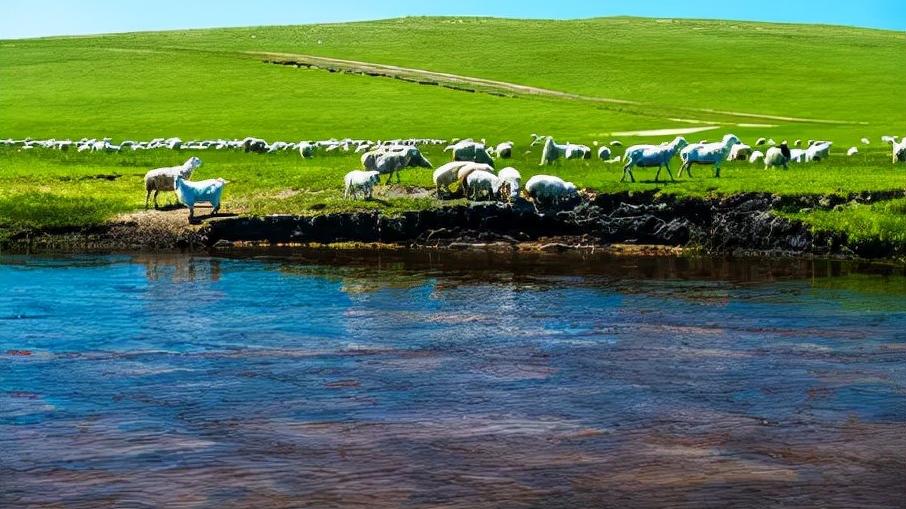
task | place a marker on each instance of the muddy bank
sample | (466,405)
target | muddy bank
(738,224)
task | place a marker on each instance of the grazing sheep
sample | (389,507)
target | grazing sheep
(775,157)
(889,139)
(462,174)
(358,181)
(468,150)
(771,142)
(899,151)
(553,151)
(818,151)
(616,143)
(852,151)
(307,150)
(447,174)
(604,153)
(865,141)
(481,183)
(756,155)
(189,193)
(537,139)
(390,163)
(707,153)
(510,183)
(547,190)
(256,145)
(649,156)
(504,150)
(797,143)
(760,141)
(739,152)
(164,179)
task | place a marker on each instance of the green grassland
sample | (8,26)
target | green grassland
(213,83)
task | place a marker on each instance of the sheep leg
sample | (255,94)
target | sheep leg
(717,171)
(658,174)
(147,199)
(667,164)
(155,199)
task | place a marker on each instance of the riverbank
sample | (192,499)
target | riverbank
(745,223)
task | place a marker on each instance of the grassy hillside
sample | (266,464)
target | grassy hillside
(213,83)
(206,83)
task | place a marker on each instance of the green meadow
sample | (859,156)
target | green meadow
(832,83)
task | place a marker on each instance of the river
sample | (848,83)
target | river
(450,379)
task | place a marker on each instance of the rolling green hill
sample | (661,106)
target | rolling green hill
(205,83)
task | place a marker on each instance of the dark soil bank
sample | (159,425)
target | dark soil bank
(737,224)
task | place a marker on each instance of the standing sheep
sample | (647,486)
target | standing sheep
(164,179)
(510,183)
(191,193)
(707,153)
(649,156)
(548,190)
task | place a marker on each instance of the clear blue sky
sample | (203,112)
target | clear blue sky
(33,18)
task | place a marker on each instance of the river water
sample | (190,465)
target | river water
(444,379)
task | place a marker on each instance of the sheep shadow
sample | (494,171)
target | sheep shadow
(383,203)
(198,219)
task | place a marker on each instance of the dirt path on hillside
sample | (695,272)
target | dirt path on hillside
(474,84)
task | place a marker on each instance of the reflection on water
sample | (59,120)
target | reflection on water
(439,379)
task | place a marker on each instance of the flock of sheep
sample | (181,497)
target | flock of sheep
(472,166)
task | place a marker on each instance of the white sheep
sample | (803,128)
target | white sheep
(739,152)
(468,150)
(774,157)
(510,183)
(756,155)
(707,153)
(604,153)
(481,183)
(865,141)
(818,151)
(191,193)
(899,151)
(549,190)
(358,181)
(553,151)
(760,141)
(649,156)
(164,179)
(852,151)
(504,150)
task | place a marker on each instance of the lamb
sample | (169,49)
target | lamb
(504,150)
(865,141)
(190,193)
(739,152)
(481,183)
(756,155)
(163,179)
(510,183)
(549,190)
(707,153)
(852,151)
(649,156)
(358,181)
(604,153)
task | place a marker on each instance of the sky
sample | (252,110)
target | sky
(35,18)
